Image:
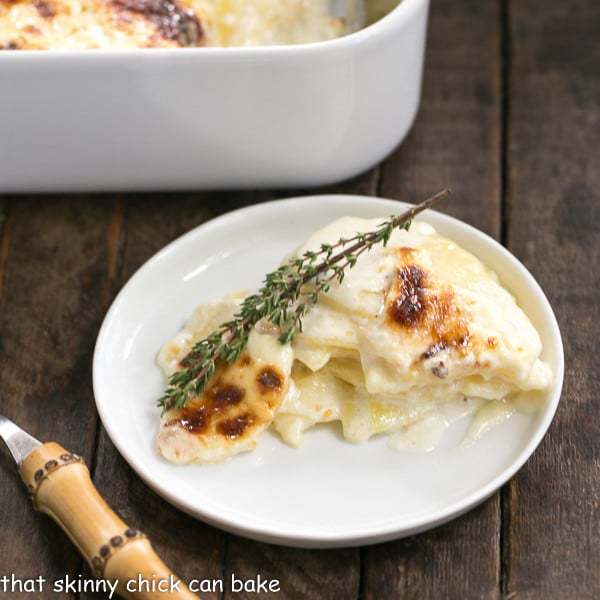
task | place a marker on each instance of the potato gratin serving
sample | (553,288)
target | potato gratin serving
(419,333)
(80,24)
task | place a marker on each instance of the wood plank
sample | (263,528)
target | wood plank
(4,241)
(552,535)
(56,258)
(191,548)
(303,574)
(456,142)
(366,184)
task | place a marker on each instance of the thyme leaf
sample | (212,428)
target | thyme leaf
(283,300)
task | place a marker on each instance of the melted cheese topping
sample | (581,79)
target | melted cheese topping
(419,334)
(80,24)
(238,404)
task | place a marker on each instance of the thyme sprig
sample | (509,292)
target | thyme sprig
(283,300)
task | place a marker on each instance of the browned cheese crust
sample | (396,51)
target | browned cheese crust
(241,400)
(416,307)
(79,24)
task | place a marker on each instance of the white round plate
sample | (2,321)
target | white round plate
(328,492)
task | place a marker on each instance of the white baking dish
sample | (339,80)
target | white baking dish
(210,117)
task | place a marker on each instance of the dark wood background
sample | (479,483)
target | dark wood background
(511,120)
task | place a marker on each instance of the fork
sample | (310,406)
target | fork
(59,484)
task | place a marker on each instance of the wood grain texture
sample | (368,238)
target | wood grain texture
(552,534)
(303,574)
(4,241)
(63,260)
(62,488)
(55,259)
(192,549)
(365,184)
(310,574)
(456,142)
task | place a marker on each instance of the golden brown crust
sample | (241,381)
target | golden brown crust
(74,24)
(414,306)
(408,306)
(45,8)
(173,21)
(240,400)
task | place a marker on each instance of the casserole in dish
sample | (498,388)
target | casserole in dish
(181,118)
(114,24)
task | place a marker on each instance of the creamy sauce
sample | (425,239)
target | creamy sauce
(419,335)
(489,416)
(426,435)
(264,22)
(80,24)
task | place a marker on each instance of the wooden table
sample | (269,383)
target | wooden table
(510,119)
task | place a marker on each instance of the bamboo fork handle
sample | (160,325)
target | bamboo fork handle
(60,486)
